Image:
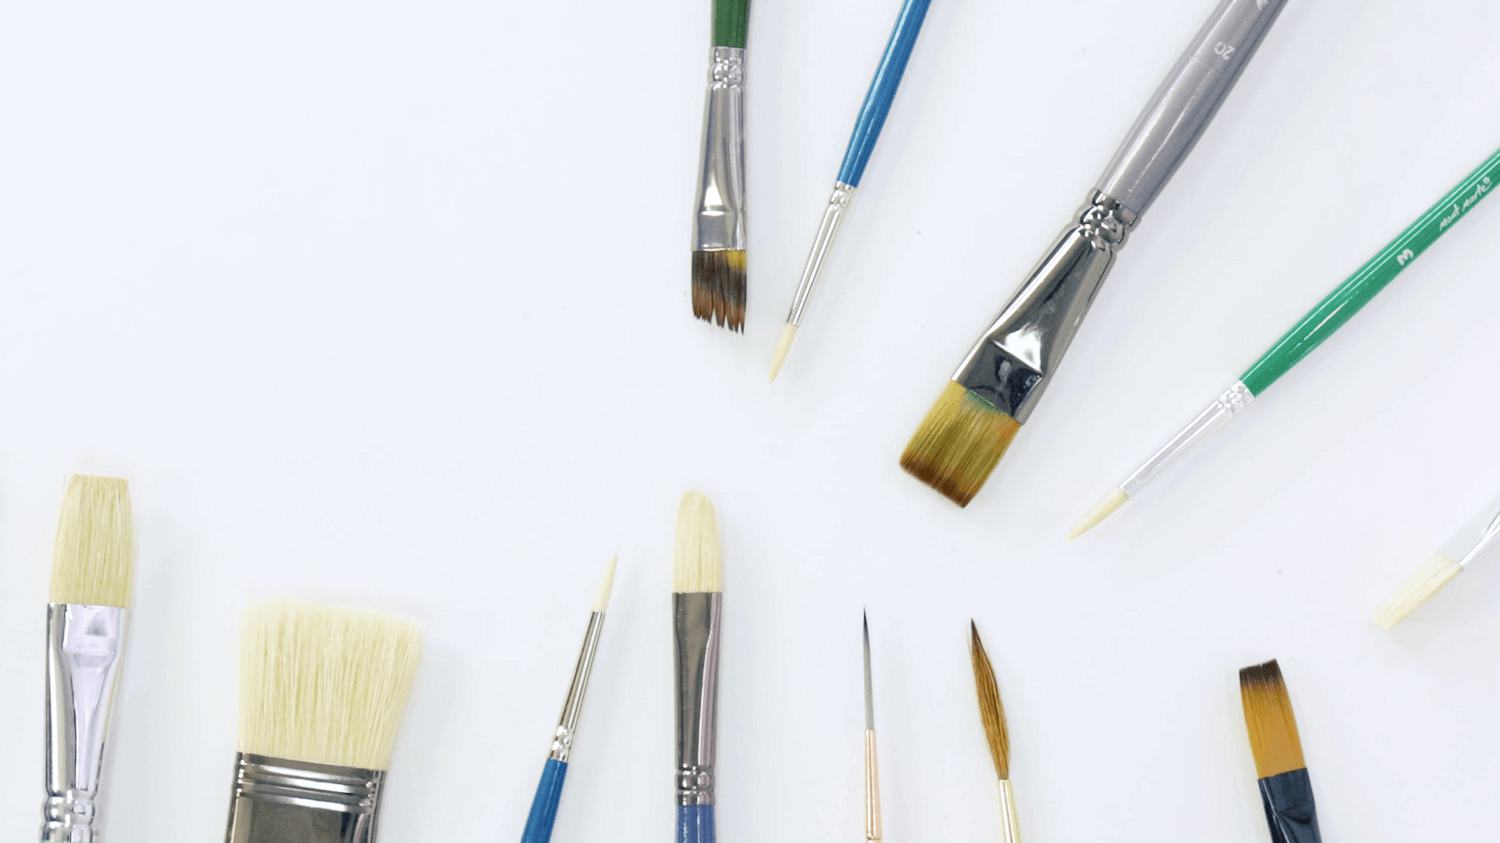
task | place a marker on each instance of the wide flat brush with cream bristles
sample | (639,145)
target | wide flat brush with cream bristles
(1285,789)
(93,564)
(697,601)
(992,713)
(322,690)
(1453,558)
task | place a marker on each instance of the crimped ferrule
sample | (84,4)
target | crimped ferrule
(828,228)
(567,724)
(696,634)
(1010,829)
(280,801)
(1014,361)
(1214,416)
(83,660)
(719,221)
(872,790)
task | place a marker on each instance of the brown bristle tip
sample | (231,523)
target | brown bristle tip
(991,711)
(719,288)
(959,444)
(1269,720)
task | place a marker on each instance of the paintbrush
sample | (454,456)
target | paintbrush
(1285,788)
(866,132)
(322,690)
(872,763)
(719,221)
(1318,325)
(697,598)
(1002,378)
(549,791)
(93,562)
(992,713)
(1463,547)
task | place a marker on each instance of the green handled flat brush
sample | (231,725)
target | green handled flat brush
(719,216)
(1318,325)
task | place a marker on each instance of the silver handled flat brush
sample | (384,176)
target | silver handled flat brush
(322,690)
(1463,547)
(697,600)
(93,563)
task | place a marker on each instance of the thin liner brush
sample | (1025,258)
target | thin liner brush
(88,609)
(549,790)
(719,218)
(992,713)
(1319,324)
(1001,380)
(1285,789)
(872,763)
(1463,547)
(697,601)
(861,144)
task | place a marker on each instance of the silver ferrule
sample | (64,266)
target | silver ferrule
(1479,535)
(83,667)
(719,222)
(1014,361)
(696,634)
(567,724)
(1214,416)
(281,801)
(828,228)
(1010,829)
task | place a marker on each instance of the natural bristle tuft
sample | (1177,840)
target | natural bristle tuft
(719,288)
(1428,580)
(93,557)
(602,603)
(1269,720)
(1103,510)
(990,709)
(783,347)
(324,684)
(697,561)
(959,444)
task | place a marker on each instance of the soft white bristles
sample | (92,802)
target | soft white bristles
(1435,573)
(324,684)
(697,561)
(93,557)
(783,348)
(1103,510)
(602,603)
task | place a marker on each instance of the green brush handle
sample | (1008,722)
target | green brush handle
(1345,301)
(731,20)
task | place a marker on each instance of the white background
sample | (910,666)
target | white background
(388,304)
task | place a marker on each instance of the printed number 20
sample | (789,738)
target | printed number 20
(1223,50)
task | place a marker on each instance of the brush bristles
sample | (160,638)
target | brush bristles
(959,444)
(719,288)
(601,604)
(1435,573)
(1269,720)
(324,684)
(697,561)
(990,709)
(93,558)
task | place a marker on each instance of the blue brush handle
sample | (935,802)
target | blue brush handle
(544,806)
(882,91)
(695,824)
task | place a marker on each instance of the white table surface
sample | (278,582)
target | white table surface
(388,303)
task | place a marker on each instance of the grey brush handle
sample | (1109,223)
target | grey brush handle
(1186,102)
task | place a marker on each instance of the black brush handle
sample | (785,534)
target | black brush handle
(1289,807)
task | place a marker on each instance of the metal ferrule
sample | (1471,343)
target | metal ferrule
(567,724)
(1010,829)
(696,634)
(1014,361)
(83,667)
(1215,416)
(828,228)
(1479,535)
(719,222)
(281,801)
(872,789)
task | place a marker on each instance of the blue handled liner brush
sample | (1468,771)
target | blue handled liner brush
(697,596)
(549,791)
(866,132)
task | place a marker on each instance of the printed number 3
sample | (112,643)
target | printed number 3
(1223,50)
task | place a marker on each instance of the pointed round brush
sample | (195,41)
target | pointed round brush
(992,713)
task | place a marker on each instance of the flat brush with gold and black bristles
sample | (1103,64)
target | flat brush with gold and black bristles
(992,713)
(1285,789)
(1001,380)
(719,215)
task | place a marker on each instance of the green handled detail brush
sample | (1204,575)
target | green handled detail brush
(1318,325)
